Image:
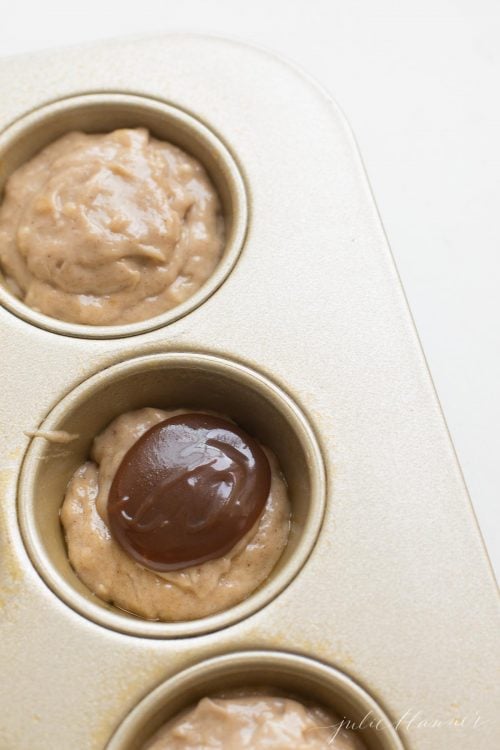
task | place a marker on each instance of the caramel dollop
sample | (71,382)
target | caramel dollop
(187,491)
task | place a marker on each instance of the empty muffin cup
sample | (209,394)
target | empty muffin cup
(132,216)
(196,382)
(304,679)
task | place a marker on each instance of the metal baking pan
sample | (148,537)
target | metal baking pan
(384,605)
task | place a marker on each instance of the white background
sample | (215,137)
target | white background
(420,84)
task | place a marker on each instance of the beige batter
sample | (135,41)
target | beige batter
(255,722)
(109,229)
(178,595)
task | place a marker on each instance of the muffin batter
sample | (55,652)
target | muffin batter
(109,229)
(256,722)
(168,595)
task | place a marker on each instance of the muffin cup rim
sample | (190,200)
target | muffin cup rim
(251,659)
(129,624)
(232,250)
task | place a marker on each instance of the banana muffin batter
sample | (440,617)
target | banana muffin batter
(198,555)
(109,229)
(256,722)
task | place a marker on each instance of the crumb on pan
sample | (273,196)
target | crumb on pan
(53,436)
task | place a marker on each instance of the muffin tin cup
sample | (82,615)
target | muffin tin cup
(283,673)
(98,113)
(169,381)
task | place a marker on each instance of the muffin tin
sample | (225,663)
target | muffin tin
(384,604)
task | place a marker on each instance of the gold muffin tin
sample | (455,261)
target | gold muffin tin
(384,606)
